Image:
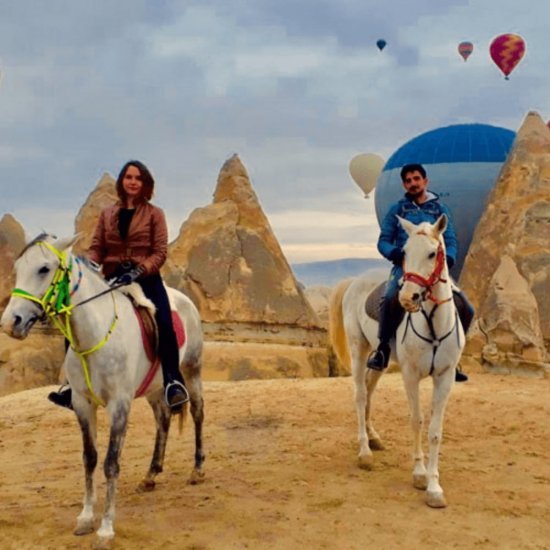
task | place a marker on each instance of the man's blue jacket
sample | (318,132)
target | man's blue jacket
(393,236)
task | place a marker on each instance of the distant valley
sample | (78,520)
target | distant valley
(328,273)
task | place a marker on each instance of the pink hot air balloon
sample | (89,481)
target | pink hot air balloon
(465,49)
(506,51)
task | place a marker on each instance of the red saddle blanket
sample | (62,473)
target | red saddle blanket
(148,331)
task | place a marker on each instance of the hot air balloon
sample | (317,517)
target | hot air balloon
(381,44)
(465,49)
(365,169)
(506,51)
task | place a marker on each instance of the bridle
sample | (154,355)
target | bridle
(434,278)
(56,306)
(428,285)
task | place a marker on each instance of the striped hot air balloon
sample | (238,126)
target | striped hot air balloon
(506,51)
(465,49)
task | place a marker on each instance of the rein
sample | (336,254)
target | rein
(434,340)
(56,303)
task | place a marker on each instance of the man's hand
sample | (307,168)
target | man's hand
(129,277)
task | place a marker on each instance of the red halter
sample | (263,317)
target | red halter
(433,279)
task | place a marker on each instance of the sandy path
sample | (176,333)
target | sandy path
(281,471)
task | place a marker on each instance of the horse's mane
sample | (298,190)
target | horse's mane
(92,266)
(132,292)
(42,237)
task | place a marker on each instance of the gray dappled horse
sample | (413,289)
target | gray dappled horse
(106,363)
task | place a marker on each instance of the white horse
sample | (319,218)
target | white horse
(429,342)
(106,363)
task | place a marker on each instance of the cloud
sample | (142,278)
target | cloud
(295,88)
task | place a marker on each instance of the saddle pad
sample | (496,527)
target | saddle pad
(148,328)
(372,304)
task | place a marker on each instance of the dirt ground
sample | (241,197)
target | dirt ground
(281,471)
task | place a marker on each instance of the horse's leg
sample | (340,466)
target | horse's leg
(375,442)
(118,412)
(162,419)
(86,415)
(440,397)
(358,354)
(417,421)
(194,386)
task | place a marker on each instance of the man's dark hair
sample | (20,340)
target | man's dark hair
(146,178)
(408,168)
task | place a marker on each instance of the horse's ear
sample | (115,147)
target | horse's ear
(441,224)
(66,242)
(406,225)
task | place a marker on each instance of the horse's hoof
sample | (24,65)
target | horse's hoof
(376,444)
(146,486)
(420,481)
(103,543)
(435,500)
(84,528)
(196,477)
(365,462)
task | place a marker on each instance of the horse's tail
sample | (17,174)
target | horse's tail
(337,332)
(182,417)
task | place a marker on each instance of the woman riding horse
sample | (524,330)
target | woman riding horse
(130,243)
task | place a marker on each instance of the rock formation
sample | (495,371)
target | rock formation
(12,241)
(318,296)
(37,360)
(102,196)
(228,260)
(506,269)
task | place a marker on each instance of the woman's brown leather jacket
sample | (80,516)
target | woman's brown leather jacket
(145,246)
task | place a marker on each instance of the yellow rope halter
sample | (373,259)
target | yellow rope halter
(56,303)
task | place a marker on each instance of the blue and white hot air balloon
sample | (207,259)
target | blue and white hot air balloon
(462,162)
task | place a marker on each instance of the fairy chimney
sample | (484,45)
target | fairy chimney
(228,260)
(101,197)
(12,241)
(506,269)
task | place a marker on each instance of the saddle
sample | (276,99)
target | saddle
(372,304)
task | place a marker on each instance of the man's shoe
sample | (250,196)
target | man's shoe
(176,395)
(460,376)
(62,397)
(379,359)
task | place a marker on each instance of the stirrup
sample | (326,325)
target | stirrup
(180,399)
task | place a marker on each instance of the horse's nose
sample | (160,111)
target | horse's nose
(415,297)
(17,320)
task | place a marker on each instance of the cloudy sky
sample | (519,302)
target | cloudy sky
(295,87)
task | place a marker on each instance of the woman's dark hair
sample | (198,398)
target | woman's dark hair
(409,168)
(146,178)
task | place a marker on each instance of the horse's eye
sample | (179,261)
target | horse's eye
(43,270)
(432,255)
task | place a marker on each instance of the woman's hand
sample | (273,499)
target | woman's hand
(129,277)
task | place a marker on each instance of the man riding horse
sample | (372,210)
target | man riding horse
(418,205)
